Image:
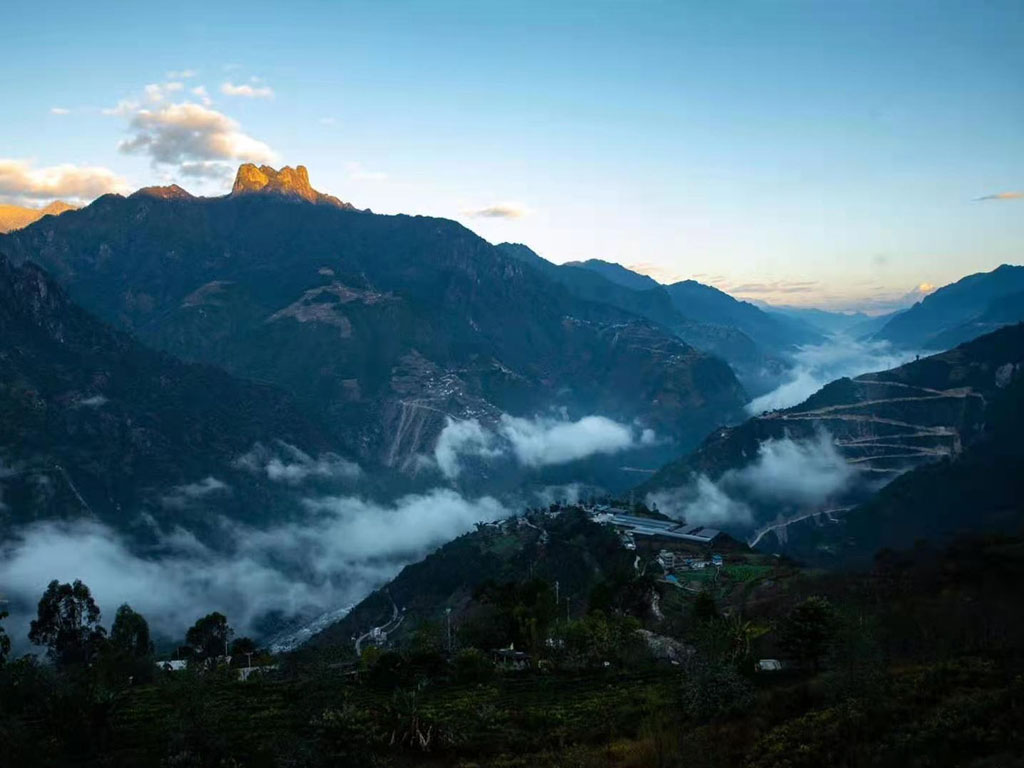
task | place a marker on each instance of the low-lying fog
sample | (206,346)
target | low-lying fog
(345,545)
(816,365)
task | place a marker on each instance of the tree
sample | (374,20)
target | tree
(704,608)
(68,624)
(5,641)
(208,638)
(130,633)
(128,657)
(807,630)
(241,650)
(242,645)
(714,689)
(740,633)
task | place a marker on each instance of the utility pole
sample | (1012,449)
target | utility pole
(567,610)
(448,614)
(556,592)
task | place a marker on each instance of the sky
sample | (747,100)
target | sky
(846,155)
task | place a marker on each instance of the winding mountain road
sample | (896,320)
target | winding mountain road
(389,626)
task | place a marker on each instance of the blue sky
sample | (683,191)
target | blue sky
(819,153)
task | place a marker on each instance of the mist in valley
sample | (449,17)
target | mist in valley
(814,366)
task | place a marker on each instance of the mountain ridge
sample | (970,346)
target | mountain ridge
(14,217)
(287,182)
(955,305)
(403,321)
(95,425)
(881,424)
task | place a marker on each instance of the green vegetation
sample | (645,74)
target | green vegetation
(917,662)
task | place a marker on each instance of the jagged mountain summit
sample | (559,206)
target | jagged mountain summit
(288,183)
(387,326)
(15,216)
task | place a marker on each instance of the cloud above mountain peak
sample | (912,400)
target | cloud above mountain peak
(188,133)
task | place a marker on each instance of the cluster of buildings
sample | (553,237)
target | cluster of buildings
(674,561)
(634,525)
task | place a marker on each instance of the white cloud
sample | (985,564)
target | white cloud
(817,365)
(247,91)
(356,172)
(203,94)
(182,496)
(19,180)
(540,442)
(122,108)
(1003,196)
(701,503)
(285,463)
(176,134)
(507,210)
(798,471)
(463,438)
(536,442)
(59,111)
(183,74)
(785,472)
(342,550)
(95,401)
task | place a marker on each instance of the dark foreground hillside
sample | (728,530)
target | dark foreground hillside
(917,662)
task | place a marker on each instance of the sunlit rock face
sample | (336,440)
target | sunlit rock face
(170,192)
(288,182)
(15,216)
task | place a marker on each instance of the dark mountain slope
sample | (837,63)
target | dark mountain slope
(757,370)
(618,274)
(710,305)
(386,324)
(822,321)
(93,424)
(1003,310)
(980,490)
(882,424)
(946,315)
(567,548)
(703,304)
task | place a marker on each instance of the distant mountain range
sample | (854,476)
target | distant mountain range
(755,344)
(382,326)
(707,304)
(820,319)
(15,216)
(961,311)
